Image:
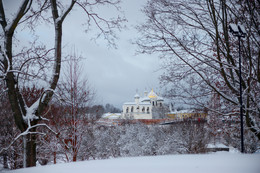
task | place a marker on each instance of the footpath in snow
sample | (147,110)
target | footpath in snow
(220,162)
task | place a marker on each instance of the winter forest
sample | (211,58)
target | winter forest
(49,111)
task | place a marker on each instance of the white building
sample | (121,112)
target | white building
(142,107)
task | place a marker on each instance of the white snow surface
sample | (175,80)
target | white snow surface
(220,162)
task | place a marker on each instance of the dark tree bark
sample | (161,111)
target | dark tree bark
(18,105)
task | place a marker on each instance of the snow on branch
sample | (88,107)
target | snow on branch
(30,113)
(42,98)
(26,132)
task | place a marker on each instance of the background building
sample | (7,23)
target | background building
(187,114)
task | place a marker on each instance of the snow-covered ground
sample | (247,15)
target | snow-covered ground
(220,162)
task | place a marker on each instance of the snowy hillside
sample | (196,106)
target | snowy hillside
(221,162)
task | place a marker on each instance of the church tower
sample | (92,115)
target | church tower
(142,107)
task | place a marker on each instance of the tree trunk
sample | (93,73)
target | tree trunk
(30,150)
(74,157)
(54,157)
(5,160)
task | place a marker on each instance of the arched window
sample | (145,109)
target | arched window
(143,109)
(148,110)
(132,109)
(127,110)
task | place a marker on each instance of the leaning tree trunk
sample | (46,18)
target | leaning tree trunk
(20,110)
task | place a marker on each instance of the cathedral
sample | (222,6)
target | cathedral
(142,107)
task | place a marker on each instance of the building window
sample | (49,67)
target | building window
(143,110)
(148,110)
(127,110)
(132,109)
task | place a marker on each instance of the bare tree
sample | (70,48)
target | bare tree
(51,146)
(14,68)
(75,90)
(193,39)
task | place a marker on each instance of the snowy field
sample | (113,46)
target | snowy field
(221,162)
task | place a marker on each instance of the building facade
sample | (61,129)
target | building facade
(142,107)
(187,114)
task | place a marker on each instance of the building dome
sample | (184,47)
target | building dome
(152,95)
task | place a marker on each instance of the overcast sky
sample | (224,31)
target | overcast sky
(116,74)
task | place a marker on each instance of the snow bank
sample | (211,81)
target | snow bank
(223,162)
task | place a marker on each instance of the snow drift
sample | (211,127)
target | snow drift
(223,162)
